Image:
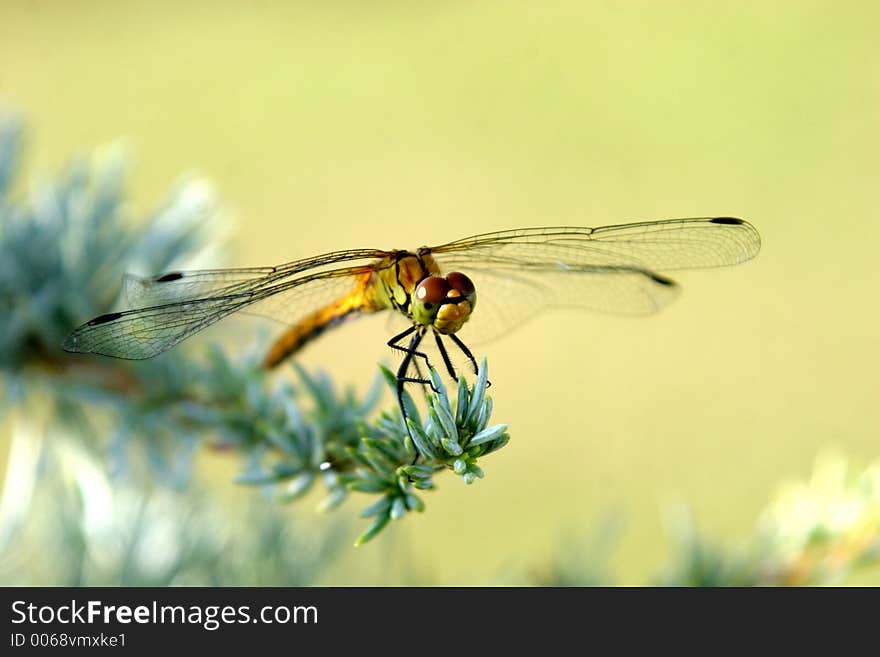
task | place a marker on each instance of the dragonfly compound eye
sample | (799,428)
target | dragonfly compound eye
(458,305)
(432,291)
(461,283)
(429,294)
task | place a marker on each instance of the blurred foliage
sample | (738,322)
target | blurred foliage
(815,532)
(98,530)
(581,560)
(63,247)
(100,472)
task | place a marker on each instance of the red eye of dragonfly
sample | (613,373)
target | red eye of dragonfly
(460,282)
(432,291)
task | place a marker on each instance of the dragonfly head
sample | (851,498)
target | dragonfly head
(444,302)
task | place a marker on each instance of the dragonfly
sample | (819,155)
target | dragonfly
(518,273)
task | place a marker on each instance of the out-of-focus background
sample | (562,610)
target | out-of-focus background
(335,125)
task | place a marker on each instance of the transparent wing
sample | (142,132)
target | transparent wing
(183,303)
(611,269)
(287,306)
(180,286)
(507,299)
(665,245)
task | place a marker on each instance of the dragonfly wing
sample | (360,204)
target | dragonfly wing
(286,307)
(509,297)
(183,303)
(181,286)
(147,332)
(611,269)
(667,245)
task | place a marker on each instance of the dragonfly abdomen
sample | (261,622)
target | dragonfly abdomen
(297,336)
(364,298)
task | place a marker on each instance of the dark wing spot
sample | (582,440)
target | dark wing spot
(173,276)
(103,319)
(730,221)
(657,278)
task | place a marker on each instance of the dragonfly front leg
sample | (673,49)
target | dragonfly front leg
(421,377)
(467,352)
(411,351)
(446,359)
(402,377)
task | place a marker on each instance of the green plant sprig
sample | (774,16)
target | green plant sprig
(325,437)
(453,437)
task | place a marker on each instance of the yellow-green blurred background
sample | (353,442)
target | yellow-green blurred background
(328,125)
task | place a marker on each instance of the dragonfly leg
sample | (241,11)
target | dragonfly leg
(393,343)
(467,352)
(421,377)
(445,354)
(410,351)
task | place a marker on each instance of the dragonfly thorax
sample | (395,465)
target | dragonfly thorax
(444,302)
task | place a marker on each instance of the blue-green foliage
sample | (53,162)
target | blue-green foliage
(66,243)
